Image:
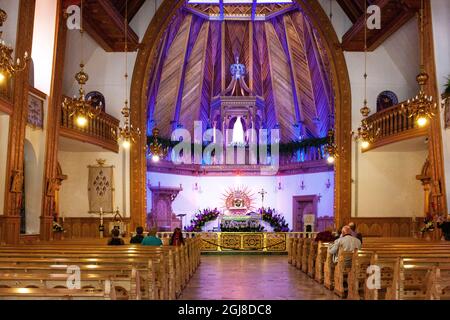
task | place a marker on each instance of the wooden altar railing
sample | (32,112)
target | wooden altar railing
(242,241)
(392,125)
(100,131)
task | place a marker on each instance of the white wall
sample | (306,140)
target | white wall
(441,28)
(74,194)
(43,43)
(189,201)
(387,185)
(106,74)
(10,26)
(4,133)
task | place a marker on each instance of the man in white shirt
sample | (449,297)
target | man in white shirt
(347,242)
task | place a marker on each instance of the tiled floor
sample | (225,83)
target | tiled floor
(252,277)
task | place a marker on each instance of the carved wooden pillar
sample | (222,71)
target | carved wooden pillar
(435,146)
(53,120)
(10,221)
(425,178)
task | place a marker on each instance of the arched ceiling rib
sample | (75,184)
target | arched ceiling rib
(285,65)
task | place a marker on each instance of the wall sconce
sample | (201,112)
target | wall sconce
(319,197)
(302,185)
(197,187)
(279,186)
(328,184)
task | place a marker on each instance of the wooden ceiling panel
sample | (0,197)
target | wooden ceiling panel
(104,21)
(394,14)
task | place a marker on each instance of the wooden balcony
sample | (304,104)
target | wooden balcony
(6,105)
(100,131)
(393,124)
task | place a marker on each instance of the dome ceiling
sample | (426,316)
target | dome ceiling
(286,67)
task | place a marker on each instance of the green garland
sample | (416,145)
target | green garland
(285,148)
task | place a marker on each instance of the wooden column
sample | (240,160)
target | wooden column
(438,192)
(10,221)
(53,121)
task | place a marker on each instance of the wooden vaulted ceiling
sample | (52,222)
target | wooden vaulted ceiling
(394,14)
(286,66)
(104,21)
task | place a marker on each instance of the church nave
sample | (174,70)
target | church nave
(252,277)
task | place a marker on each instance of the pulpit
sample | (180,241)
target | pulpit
(162,216)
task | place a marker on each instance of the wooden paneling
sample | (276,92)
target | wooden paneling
(6,106)
(76,228)
(106,25)
(301,71)
(194,80)
(384,227)
(281,83)
(394,14)
(171,78)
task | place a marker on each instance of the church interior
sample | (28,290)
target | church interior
(181,149)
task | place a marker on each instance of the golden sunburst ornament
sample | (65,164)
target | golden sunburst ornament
(238,200)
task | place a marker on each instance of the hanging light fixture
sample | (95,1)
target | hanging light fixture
(79,108)
(156,149)
(8,67)
(365,134)
(421,107)
(331,149)
(127,133)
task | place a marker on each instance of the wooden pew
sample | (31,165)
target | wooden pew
(312,258)
(48,279)
(305,254)
(321,256)
(53,294)
(184,263)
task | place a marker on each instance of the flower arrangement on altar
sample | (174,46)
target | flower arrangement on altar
(276,221)
(429,224)
(201,218)
(241,226)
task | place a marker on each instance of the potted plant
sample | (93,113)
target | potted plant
(446,93)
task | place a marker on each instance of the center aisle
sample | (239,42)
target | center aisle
(252,277)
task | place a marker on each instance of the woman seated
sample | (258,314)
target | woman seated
(177,238)
(115,238)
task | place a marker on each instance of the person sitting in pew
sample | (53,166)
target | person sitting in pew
(177,238)
(152,239)
(355,234)
(115,238)
(444,225)
(347,242)
(325,236)
(137,239)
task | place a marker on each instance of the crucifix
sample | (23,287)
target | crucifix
(262,193)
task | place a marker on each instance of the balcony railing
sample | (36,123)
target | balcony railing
(100,131)
(392,125)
